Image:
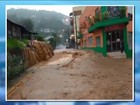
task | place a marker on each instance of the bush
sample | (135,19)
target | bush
(97,18)
(90,21)
(40,38)
(25,41)
(122,11)
(15,43)
(15,66)
(105,15)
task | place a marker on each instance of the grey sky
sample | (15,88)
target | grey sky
(64,9)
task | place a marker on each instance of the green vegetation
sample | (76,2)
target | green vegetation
(105,15)
(15,62)
(54,40)
(25,41)
(40,36)
(40,19)
(27,23)
(96,18)
(90,21)
(122,11)
(15,66)
(15,43)
(45,23)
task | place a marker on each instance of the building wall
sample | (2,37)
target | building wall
(9,29)
(129,26)
(82,8)
(127,30)
(13,30)
(90,11)
(98,33)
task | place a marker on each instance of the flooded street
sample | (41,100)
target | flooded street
(77,74)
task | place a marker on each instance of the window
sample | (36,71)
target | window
(129,35)
(114,11)
(98,42)
(84,43)
(90,41)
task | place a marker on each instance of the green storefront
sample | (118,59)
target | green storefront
(114,30)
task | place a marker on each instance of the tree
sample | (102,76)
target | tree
(54,40)
(42,19)
(27,23)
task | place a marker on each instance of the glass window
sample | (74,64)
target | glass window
(129,40)
(90,40)
(98,42)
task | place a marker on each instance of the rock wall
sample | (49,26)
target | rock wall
(37,52)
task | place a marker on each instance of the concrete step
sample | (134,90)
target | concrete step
(116,55)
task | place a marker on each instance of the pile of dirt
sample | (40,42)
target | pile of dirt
(39,51)
(74,54)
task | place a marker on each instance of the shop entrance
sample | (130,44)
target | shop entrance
(115,40)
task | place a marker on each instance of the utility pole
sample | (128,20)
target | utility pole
(76,13)
(76,32)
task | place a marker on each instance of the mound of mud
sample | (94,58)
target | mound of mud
(39,51)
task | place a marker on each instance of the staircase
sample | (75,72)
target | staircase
(117,55)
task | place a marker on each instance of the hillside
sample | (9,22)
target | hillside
(41,19)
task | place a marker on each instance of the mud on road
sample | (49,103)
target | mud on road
(75,75)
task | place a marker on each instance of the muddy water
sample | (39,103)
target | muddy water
(78,75)
(38,52)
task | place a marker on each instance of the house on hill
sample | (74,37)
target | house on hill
(17,31)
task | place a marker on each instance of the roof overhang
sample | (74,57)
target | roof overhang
(108,22)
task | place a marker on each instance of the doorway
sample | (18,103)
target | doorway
(114,40)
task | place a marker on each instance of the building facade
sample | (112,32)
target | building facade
(17,31)
(107,29)
(74,21)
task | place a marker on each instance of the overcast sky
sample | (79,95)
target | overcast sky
(64,9)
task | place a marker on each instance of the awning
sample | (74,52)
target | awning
(108,22)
